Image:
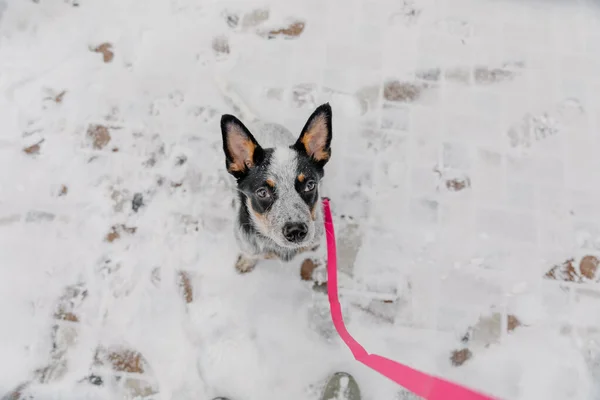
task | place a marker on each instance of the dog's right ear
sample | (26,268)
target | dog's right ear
(242,151)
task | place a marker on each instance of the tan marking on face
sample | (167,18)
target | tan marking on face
(301,178)
(241,149)
(261,219)
(313,211)
(271,183)
(315,139)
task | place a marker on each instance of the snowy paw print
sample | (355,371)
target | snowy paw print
(206,114)
(176,98)
(304,95)
(543,126)
(165,104)
(65,332)
(204,57)
(534,128)
(185,224)
(154,109)
(108,267)
(119,198)
(408,14)
(125,369)
(220,46)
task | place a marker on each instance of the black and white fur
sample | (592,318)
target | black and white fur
(278,203)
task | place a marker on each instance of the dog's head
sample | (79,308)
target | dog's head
(280,186)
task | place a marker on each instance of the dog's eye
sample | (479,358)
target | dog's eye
(310,186)
(262,193)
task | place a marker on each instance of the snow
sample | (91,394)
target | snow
(453,197)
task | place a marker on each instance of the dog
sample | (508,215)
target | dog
(278,206)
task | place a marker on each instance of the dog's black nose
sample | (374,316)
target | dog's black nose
(295,231)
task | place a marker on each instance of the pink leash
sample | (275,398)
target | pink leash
(424,385)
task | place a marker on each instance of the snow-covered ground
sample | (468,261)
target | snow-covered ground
(465,166)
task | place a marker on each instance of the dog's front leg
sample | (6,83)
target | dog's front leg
(245,263)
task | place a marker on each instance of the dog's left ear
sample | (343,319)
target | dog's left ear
(315,139)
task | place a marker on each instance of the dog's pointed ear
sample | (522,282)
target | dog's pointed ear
(242,151)
(315,139)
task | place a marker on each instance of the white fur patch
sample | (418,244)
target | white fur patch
(284,164)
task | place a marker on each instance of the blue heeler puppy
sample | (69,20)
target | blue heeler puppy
(279,207)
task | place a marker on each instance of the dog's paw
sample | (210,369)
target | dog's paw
(270,256)
(307,268)
(245,265)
